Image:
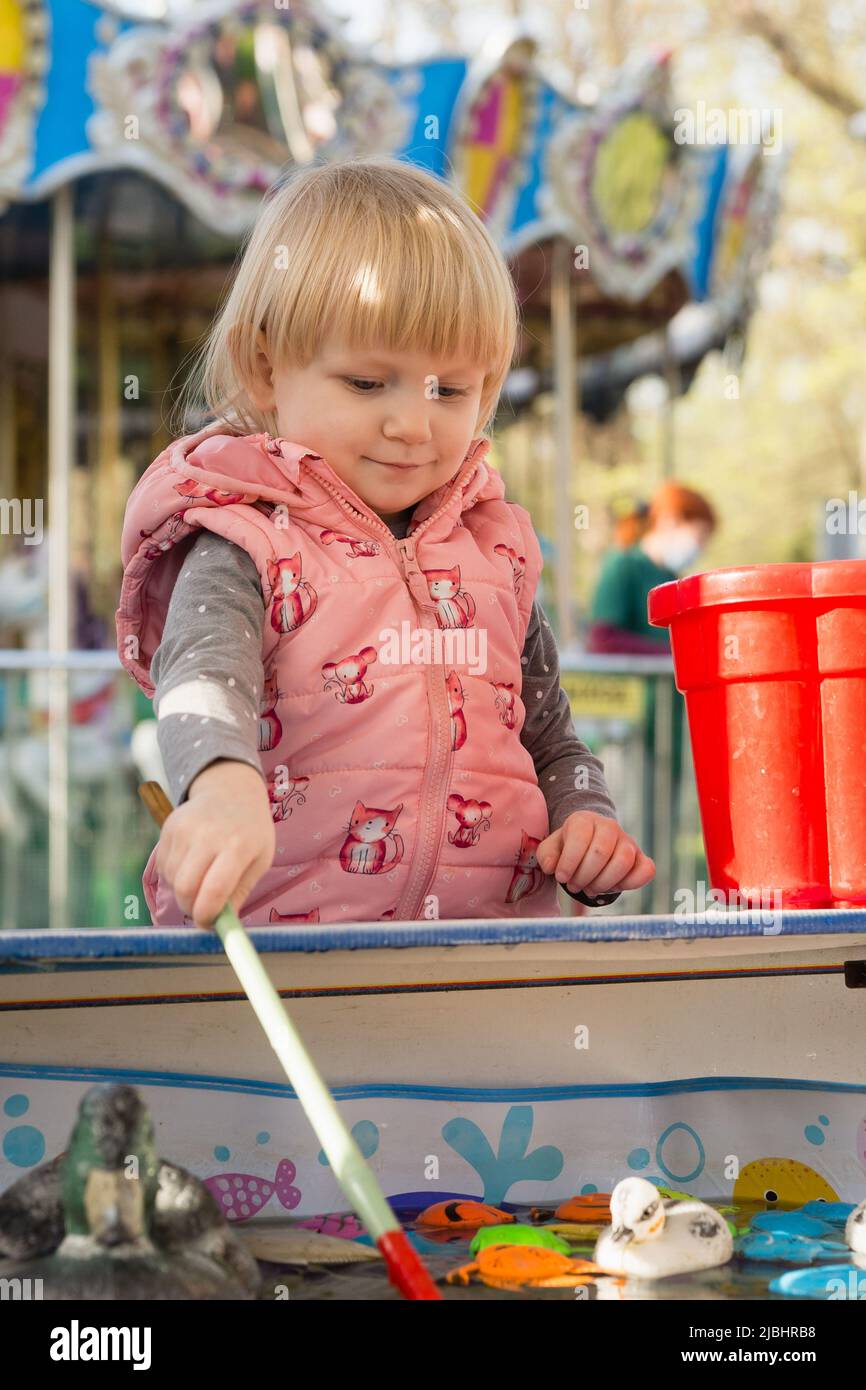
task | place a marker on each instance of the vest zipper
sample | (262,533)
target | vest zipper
(437,771)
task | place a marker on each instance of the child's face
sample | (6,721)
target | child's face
(374,417)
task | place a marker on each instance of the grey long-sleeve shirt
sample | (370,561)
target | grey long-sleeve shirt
(208,676)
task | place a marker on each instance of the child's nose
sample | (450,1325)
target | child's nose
(409,421)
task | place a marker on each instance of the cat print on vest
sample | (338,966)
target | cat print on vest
(311,916)
(472,817)
(282,792)
(287,594)
(455,704)
(363,850)
(348,674)
(517,562)
(270,728)
(455,607)
(356,546)
(527,876)
(504,703)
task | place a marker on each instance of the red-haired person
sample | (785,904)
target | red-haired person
(681,522)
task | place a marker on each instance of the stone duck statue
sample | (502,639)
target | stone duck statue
(108,1219)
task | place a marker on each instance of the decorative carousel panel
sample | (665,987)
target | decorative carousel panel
(24,46)
(629,192)
(492,132)
(750,202)
(218,107)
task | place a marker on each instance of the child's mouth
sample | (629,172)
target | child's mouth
(397,467)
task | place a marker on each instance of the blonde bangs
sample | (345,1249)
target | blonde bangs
(375,252)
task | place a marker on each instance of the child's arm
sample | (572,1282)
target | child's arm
(207,671)
(220,838)
(570,776)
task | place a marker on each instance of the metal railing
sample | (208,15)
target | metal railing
(76,783)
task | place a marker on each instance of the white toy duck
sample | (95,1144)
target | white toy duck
(855,1229)
(652,1236)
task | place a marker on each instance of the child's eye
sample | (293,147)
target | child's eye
(361,382)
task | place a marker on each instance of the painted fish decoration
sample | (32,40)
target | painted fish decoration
(240,1196)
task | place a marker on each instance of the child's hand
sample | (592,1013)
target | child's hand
(215,847)
(593,854)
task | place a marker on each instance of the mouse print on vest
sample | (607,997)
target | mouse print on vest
(455,704)
(283,790)
(363,850)
(454,606)
(528,875)
(355,547)
(504,703)
(288,590)
(517,562)
(472,817)
(172,530)
(218,496)
(346,677)
(398,788)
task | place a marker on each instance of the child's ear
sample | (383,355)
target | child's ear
(259,383)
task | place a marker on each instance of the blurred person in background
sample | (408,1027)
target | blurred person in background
(657,549)
(679,524)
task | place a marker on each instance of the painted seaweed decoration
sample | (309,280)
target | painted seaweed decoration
(511,1163)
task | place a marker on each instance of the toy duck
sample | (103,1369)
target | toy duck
(110,1220)
(855,1229)
(652,1237)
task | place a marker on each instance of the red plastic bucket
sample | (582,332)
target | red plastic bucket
(771,660)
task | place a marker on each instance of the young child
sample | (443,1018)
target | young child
(333,604)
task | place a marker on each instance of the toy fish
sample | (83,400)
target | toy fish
(466,1216)
(280,1243)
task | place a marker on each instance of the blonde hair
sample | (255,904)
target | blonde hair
(374,250)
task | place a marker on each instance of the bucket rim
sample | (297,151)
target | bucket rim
(780,583)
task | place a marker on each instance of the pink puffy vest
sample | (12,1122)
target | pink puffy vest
(390,719)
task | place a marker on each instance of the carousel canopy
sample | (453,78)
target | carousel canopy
(224,98)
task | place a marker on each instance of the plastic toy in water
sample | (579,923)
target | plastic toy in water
(855,1229)
(782,1180)
(652,1237)
(462,1216)
(518,1267)
(575,1232)
(342,1224)
(843,1282)
(836,1213)
(673,1194)
(518,1234)
(783,1247)
(90,1224)
(792,1223)
(591,1207)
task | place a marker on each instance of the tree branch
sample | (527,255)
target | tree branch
(758,22)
